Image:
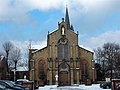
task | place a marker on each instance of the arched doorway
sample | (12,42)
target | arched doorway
(64,74)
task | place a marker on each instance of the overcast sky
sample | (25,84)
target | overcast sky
(98,21)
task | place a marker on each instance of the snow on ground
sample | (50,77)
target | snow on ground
(79,87)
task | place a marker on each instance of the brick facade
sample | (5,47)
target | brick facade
(63,57)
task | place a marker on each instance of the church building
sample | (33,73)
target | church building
(62,61)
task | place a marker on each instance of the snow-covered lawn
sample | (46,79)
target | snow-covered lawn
(79,87)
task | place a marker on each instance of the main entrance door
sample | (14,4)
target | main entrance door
(63,78)
(64,74)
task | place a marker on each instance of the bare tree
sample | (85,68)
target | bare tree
(98,55)
(109,53)
(15,56)
(7,46)
(26,56)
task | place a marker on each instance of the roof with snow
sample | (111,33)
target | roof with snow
(1,57)
(88,49)
(37,46)
(22,69)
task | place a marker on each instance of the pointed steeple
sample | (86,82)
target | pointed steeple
(67,19)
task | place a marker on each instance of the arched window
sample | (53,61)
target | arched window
(42,69)
(60,51)
(63,49)
(84,67)
(66,54)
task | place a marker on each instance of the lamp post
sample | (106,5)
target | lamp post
(32,69)
(93,70)
(32,74)
(14,74)
(93,74)
(33,78)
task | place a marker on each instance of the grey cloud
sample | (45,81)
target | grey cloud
(98,41)
(17,10)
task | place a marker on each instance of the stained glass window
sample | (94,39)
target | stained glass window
(63,49)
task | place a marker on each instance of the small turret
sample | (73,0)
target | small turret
(72,28)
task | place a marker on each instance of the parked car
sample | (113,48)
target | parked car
(20,81)
(26,82)
(2,87)
(18,85)
(9,85)
(106,85)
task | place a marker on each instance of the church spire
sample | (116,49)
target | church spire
(67,19)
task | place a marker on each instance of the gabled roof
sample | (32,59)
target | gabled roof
(38,50)
(37,47)
(88,49)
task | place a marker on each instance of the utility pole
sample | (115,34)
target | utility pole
(103,70)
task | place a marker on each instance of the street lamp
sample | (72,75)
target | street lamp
(32,74)
(93,74)
(32,69)
(93,70)
(33,78)
(14,70)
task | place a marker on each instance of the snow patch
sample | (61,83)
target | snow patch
(79,87)
(86,48)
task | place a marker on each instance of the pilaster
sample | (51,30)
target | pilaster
(71,76)
(78,77)
(50,78)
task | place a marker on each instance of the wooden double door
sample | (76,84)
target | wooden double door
(64,78)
